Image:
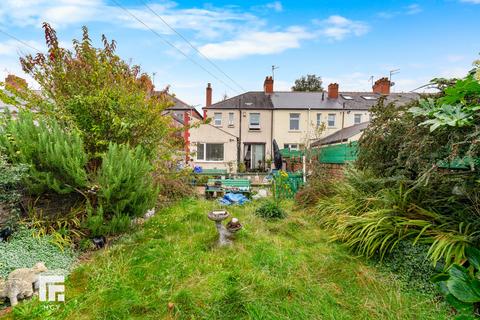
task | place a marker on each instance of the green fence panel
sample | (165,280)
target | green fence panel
(339,153)
(286,185)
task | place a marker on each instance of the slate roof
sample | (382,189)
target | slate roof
(247,100)
(181,105)
(309,100)
(342,135)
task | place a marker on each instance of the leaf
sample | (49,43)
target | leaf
(440,277)
(473,255)
(463,289)
(460,306)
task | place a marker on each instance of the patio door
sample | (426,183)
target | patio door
(254,156)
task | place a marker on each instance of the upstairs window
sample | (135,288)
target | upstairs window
(210,152)
(319,120)
(294,121)
(357,118)
(217,119)
(331,120)
(231,118)
(254,123)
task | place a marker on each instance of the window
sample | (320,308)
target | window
(319,120)
(293,146)
(369,98)
(294,121)
(346,97)
(217,119)
(210,151)
(357,118)
(331,120)
(231,119)
(254,121)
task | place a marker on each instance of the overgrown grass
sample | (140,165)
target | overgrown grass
(280,269)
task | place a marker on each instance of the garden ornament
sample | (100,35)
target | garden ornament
(227,232)
(21,283)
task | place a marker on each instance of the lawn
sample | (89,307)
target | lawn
(284,269)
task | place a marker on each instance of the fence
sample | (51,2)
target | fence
(286,184)
(338,153)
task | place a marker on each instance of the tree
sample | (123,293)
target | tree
(310,82)
(95,91)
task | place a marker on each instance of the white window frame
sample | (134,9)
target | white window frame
(329,119)
(217,122)
(319,120)
(295,117)
(254,126)
(204,146)
(231,119)
(359,115)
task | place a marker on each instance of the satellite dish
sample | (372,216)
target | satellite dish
(392,84)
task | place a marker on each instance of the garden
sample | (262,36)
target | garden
(90,189)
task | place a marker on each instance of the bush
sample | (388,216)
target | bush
(104,97)
(24,250)
(10,190)
(411,266)
(56,159)
(125,182)
(372,223)
(270,209)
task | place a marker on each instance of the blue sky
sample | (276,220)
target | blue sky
(342,41)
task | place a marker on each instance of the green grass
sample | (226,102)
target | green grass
(282,269)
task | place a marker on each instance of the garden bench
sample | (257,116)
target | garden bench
(221,186)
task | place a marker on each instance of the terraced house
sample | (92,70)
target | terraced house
(243,127)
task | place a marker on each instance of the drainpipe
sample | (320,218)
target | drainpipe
(271,137)
(343,115)
(308,129)
(239,139)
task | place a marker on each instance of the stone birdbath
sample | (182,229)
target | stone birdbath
(225,233)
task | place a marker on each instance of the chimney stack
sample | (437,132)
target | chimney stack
(15,82)
(333,91)
(268,85)
(382,86)
(208,102)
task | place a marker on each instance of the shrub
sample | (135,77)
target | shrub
(10,189)
(55,157)
(24,250)
(270,209)
(373,223)
(410,264)
(125,182)
(94,90)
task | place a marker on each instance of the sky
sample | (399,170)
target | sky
(233,44)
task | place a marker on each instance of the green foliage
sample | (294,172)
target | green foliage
(461,285)
(373,222)
(310,82)
(410,264)
(125,182)
(10,189)
(276,269)
(95,91)
(270,209)
(55,157)
(24,250)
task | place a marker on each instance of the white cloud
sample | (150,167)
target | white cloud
(13,47)
(256,42)
(413,9)
(276,6)
(208,23)
(455,58)
(338,27)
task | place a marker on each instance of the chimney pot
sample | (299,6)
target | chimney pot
(333,91)
(382,86)
(268,85)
